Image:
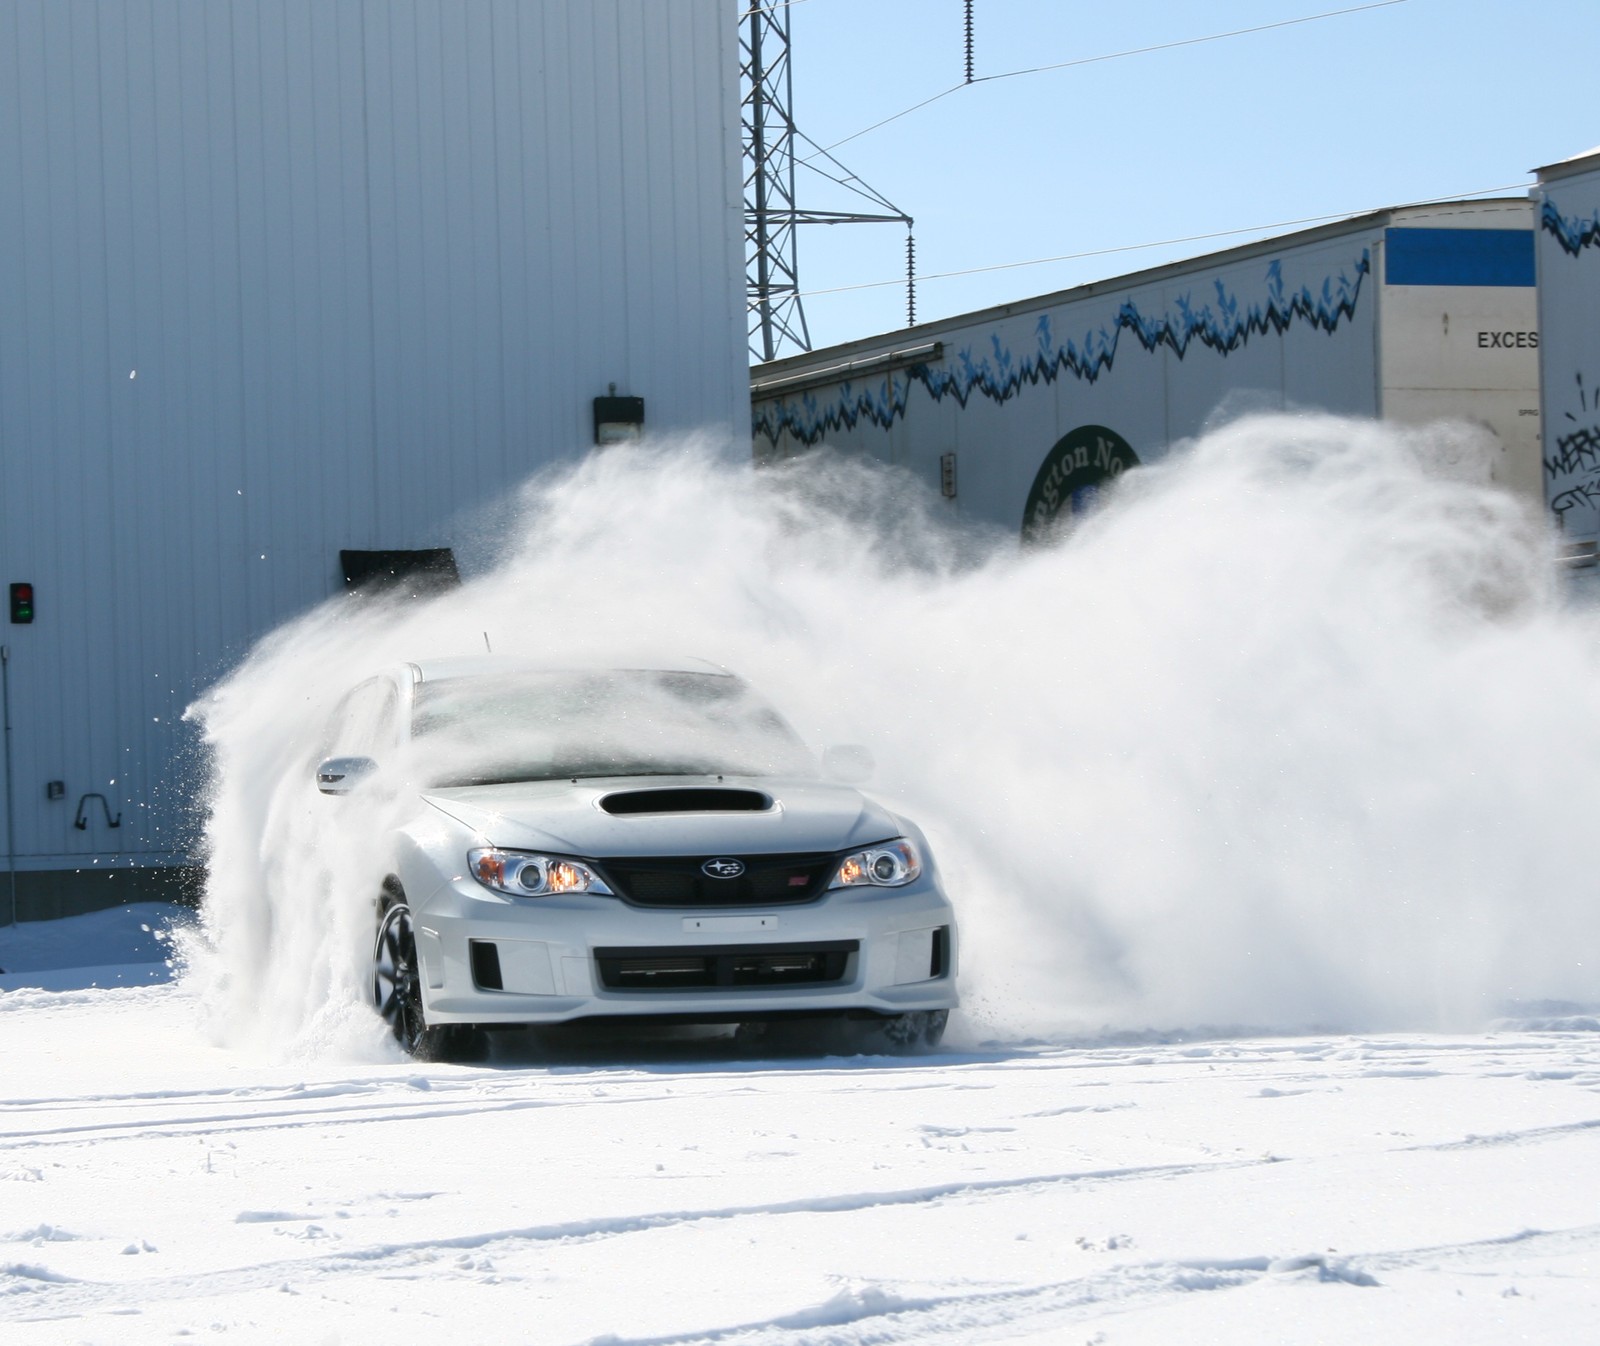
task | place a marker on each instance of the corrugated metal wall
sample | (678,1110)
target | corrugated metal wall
(283,276)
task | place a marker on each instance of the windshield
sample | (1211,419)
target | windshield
(550,726)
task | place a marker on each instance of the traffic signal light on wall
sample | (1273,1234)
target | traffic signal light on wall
(21,604)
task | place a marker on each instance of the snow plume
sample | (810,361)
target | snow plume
(1295,731)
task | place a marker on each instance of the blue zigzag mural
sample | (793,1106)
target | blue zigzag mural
(1223,325)
(1573,235)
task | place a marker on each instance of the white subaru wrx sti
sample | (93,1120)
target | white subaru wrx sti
(649,842)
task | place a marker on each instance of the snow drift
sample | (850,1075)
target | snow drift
(1296,731)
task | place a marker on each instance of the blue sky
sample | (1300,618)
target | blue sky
(1415,100)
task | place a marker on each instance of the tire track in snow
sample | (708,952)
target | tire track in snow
(1544,1242)
(290,1119)
(295,1120)
(397,1101)
(402,1108)
(1532,1136)
(862,1316)
(38,1299)
(474,1094)
(874,1316)
(157,1097)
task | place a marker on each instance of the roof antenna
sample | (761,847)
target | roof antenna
(486,644)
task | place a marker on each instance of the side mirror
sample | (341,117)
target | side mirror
(848,763)
(340,775)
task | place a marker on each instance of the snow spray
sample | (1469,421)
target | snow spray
(1295,731)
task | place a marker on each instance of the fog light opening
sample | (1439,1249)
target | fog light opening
(485,959)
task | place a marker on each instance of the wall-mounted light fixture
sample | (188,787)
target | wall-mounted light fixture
(21,604)
(618,420)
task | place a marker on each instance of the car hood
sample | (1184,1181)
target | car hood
(566,817)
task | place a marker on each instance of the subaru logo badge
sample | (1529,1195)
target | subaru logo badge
(723,868)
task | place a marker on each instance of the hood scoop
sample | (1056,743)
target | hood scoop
(686,801)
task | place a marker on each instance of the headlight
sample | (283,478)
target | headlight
(891,865)
(526,874)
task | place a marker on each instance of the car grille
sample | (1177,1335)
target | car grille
(725,967)
(679,881)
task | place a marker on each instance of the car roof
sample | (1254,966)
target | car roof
(490,665)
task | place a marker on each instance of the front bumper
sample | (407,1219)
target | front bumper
(883,950)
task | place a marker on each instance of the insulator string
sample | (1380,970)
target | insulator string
(911,279)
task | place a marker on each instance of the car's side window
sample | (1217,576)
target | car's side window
(365,723)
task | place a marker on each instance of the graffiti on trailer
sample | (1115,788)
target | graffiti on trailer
(1572,472)
(1223,325)
(1575,234)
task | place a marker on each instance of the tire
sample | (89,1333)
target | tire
(397,996)
(899,1034)
(886,1035)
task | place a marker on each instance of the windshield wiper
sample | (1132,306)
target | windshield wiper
(620,775)
(465,782)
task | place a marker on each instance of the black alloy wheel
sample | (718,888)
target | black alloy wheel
(397,995)
(396,981)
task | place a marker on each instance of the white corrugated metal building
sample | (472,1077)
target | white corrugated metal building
(284,277)
(1568,201)
(1018,412)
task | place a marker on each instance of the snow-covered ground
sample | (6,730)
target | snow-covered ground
(122,946)
(1393,1188)
(1301,732)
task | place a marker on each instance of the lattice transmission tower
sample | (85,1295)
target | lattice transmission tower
(772,213)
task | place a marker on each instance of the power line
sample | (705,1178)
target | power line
(850,182)
(1195,41)
(1161,243)
(1110,56)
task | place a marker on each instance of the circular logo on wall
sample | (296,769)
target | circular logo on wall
(1072,474)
